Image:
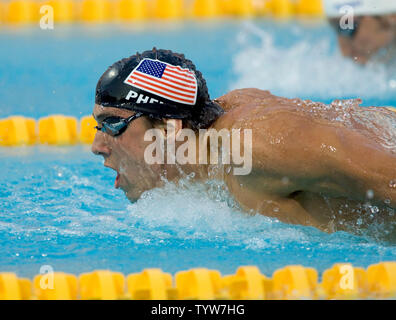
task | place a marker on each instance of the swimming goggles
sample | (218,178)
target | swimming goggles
(115,126)
(346,32)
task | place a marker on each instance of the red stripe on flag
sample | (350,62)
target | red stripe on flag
(166,95)
(186,74)
(163,88)
(165,84)
(169,79)
(179,83)
(173,76)
(179,68)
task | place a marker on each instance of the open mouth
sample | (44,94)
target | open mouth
(117,181)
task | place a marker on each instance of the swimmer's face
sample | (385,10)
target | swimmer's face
(371,33)
(125,153)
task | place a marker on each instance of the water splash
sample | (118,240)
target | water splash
(307,68)
(377,123)
(208,213)
(61,209)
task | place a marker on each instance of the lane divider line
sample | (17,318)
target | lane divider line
(341,281)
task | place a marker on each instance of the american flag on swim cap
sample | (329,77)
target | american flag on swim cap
(165,80)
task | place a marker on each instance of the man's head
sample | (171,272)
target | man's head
(154,89)
(364,27)
(368,35)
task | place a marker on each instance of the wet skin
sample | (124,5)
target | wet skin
(307,169)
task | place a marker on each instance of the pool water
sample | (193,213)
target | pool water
(59,206)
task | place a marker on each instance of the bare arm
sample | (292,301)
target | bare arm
(324,158)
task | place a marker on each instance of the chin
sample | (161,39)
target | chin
(132,194)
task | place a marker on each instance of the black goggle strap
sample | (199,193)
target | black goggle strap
(133,117)
(350,33)
(160,111)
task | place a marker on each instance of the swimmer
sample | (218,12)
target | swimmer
(327,166)
(373,27)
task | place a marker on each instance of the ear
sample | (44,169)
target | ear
(175,125)
(167,125)
(171,128)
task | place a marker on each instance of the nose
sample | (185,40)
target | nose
(99,145)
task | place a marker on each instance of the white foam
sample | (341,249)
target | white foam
(307,68)
(196,213)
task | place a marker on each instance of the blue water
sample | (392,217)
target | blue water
(58,204)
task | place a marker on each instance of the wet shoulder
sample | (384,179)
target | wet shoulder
(243,107)
(242,97)
(255,108)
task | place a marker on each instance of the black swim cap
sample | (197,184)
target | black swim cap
(160,84)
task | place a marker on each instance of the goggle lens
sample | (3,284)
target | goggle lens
(114,126)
